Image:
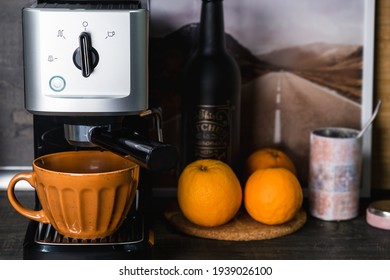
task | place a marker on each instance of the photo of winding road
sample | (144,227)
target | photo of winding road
(300,61)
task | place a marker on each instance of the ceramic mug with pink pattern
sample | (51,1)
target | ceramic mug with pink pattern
(335,173)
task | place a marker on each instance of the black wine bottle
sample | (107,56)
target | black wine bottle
(211,94)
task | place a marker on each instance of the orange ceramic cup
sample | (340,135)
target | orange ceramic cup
(85,194)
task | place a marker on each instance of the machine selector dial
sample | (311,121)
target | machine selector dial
(85,57)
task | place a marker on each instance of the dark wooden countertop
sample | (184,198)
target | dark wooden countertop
(317,239)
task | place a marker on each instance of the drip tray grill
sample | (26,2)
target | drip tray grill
(130,232)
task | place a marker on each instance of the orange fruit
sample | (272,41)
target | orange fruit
(272,196)
(269,158)
(209,192)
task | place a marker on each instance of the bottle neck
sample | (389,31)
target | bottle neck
(211,30)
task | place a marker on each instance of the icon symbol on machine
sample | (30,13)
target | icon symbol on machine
(51,58)
(60,33)
(85,24)
(110,34)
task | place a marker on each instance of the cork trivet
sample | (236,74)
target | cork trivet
(241,228)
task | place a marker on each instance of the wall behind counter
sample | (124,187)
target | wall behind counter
(16,141)
(381,129)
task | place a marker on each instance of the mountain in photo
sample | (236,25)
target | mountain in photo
(312,56)
(336,66)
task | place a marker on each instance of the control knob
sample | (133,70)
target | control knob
(85,57)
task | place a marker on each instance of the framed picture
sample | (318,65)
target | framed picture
(305,64)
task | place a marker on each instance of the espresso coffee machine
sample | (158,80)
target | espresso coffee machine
(86,84)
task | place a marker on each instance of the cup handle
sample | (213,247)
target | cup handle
(39,216)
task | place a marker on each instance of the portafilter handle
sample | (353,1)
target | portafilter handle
(152,155)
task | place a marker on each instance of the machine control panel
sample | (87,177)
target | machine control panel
(67,38)
(78,58)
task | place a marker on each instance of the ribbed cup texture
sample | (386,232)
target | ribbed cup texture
(87,205)
(89,213)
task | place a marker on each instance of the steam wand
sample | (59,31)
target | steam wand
(152,155)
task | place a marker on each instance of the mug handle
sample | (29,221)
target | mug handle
(39,216)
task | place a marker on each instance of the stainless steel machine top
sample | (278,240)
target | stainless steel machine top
(85,62)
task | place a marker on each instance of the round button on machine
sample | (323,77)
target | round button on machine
(57,83)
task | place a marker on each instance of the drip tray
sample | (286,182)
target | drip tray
(132,231)
(131,241)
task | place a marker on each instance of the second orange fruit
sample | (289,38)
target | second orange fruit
(273,196)
(269,158)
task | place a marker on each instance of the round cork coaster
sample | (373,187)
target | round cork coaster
(241,228)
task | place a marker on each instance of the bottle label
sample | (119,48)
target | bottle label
(213,128)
